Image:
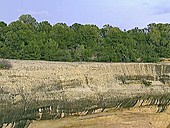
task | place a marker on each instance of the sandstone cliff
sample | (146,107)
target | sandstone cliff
(34,90)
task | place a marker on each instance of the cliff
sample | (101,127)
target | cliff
(35,90)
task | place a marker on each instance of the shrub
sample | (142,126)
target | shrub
(146,83)
(164,78)
(122,79)
(4,64)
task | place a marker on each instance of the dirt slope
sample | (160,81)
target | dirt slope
(37,90)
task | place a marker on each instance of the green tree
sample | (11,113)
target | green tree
(17,36)
(63,35)
(28,19)
(31,51)
(49,50)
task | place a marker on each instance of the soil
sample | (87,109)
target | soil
(137,117)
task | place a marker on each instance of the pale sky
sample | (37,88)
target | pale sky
(125,14)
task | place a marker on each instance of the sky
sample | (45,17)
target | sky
(125,14)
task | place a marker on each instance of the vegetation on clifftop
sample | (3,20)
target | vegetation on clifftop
(28,39)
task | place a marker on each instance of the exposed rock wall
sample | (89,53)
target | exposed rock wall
(33,90)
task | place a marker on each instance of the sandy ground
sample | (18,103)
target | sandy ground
(138,117)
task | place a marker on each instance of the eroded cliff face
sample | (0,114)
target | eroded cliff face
(34,90)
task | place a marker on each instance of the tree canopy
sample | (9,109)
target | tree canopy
(28,39)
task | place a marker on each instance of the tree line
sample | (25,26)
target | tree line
(28,39)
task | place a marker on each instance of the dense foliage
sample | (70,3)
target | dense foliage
(28,39)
